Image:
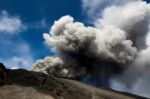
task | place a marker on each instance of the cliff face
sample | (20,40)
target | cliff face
(23,84)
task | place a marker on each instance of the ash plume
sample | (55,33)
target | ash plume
(56,67)
(132,17)
(114,48)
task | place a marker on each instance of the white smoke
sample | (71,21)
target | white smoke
(107,42)
(79,47)
(43,65)
(116,43)
(51,65)
(94,8)
(55,66)
(136,77)
(133,18)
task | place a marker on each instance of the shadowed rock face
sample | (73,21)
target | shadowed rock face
(23,84)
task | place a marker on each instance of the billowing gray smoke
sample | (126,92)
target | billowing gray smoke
(56,67)
(90,48)
(115,47)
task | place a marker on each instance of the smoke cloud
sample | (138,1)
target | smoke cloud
(113,50)
(133,18)
(55,66)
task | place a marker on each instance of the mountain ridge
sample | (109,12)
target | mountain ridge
(35,84)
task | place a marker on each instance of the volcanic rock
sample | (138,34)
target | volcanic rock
(24,84)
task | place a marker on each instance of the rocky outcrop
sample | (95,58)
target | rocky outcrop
(23,84)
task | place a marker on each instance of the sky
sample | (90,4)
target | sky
(22,23)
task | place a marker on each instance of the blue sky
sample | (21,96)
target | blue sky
(26,42)
(22,23)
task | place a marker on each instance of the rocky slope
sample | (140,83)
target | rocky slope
(23,84)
